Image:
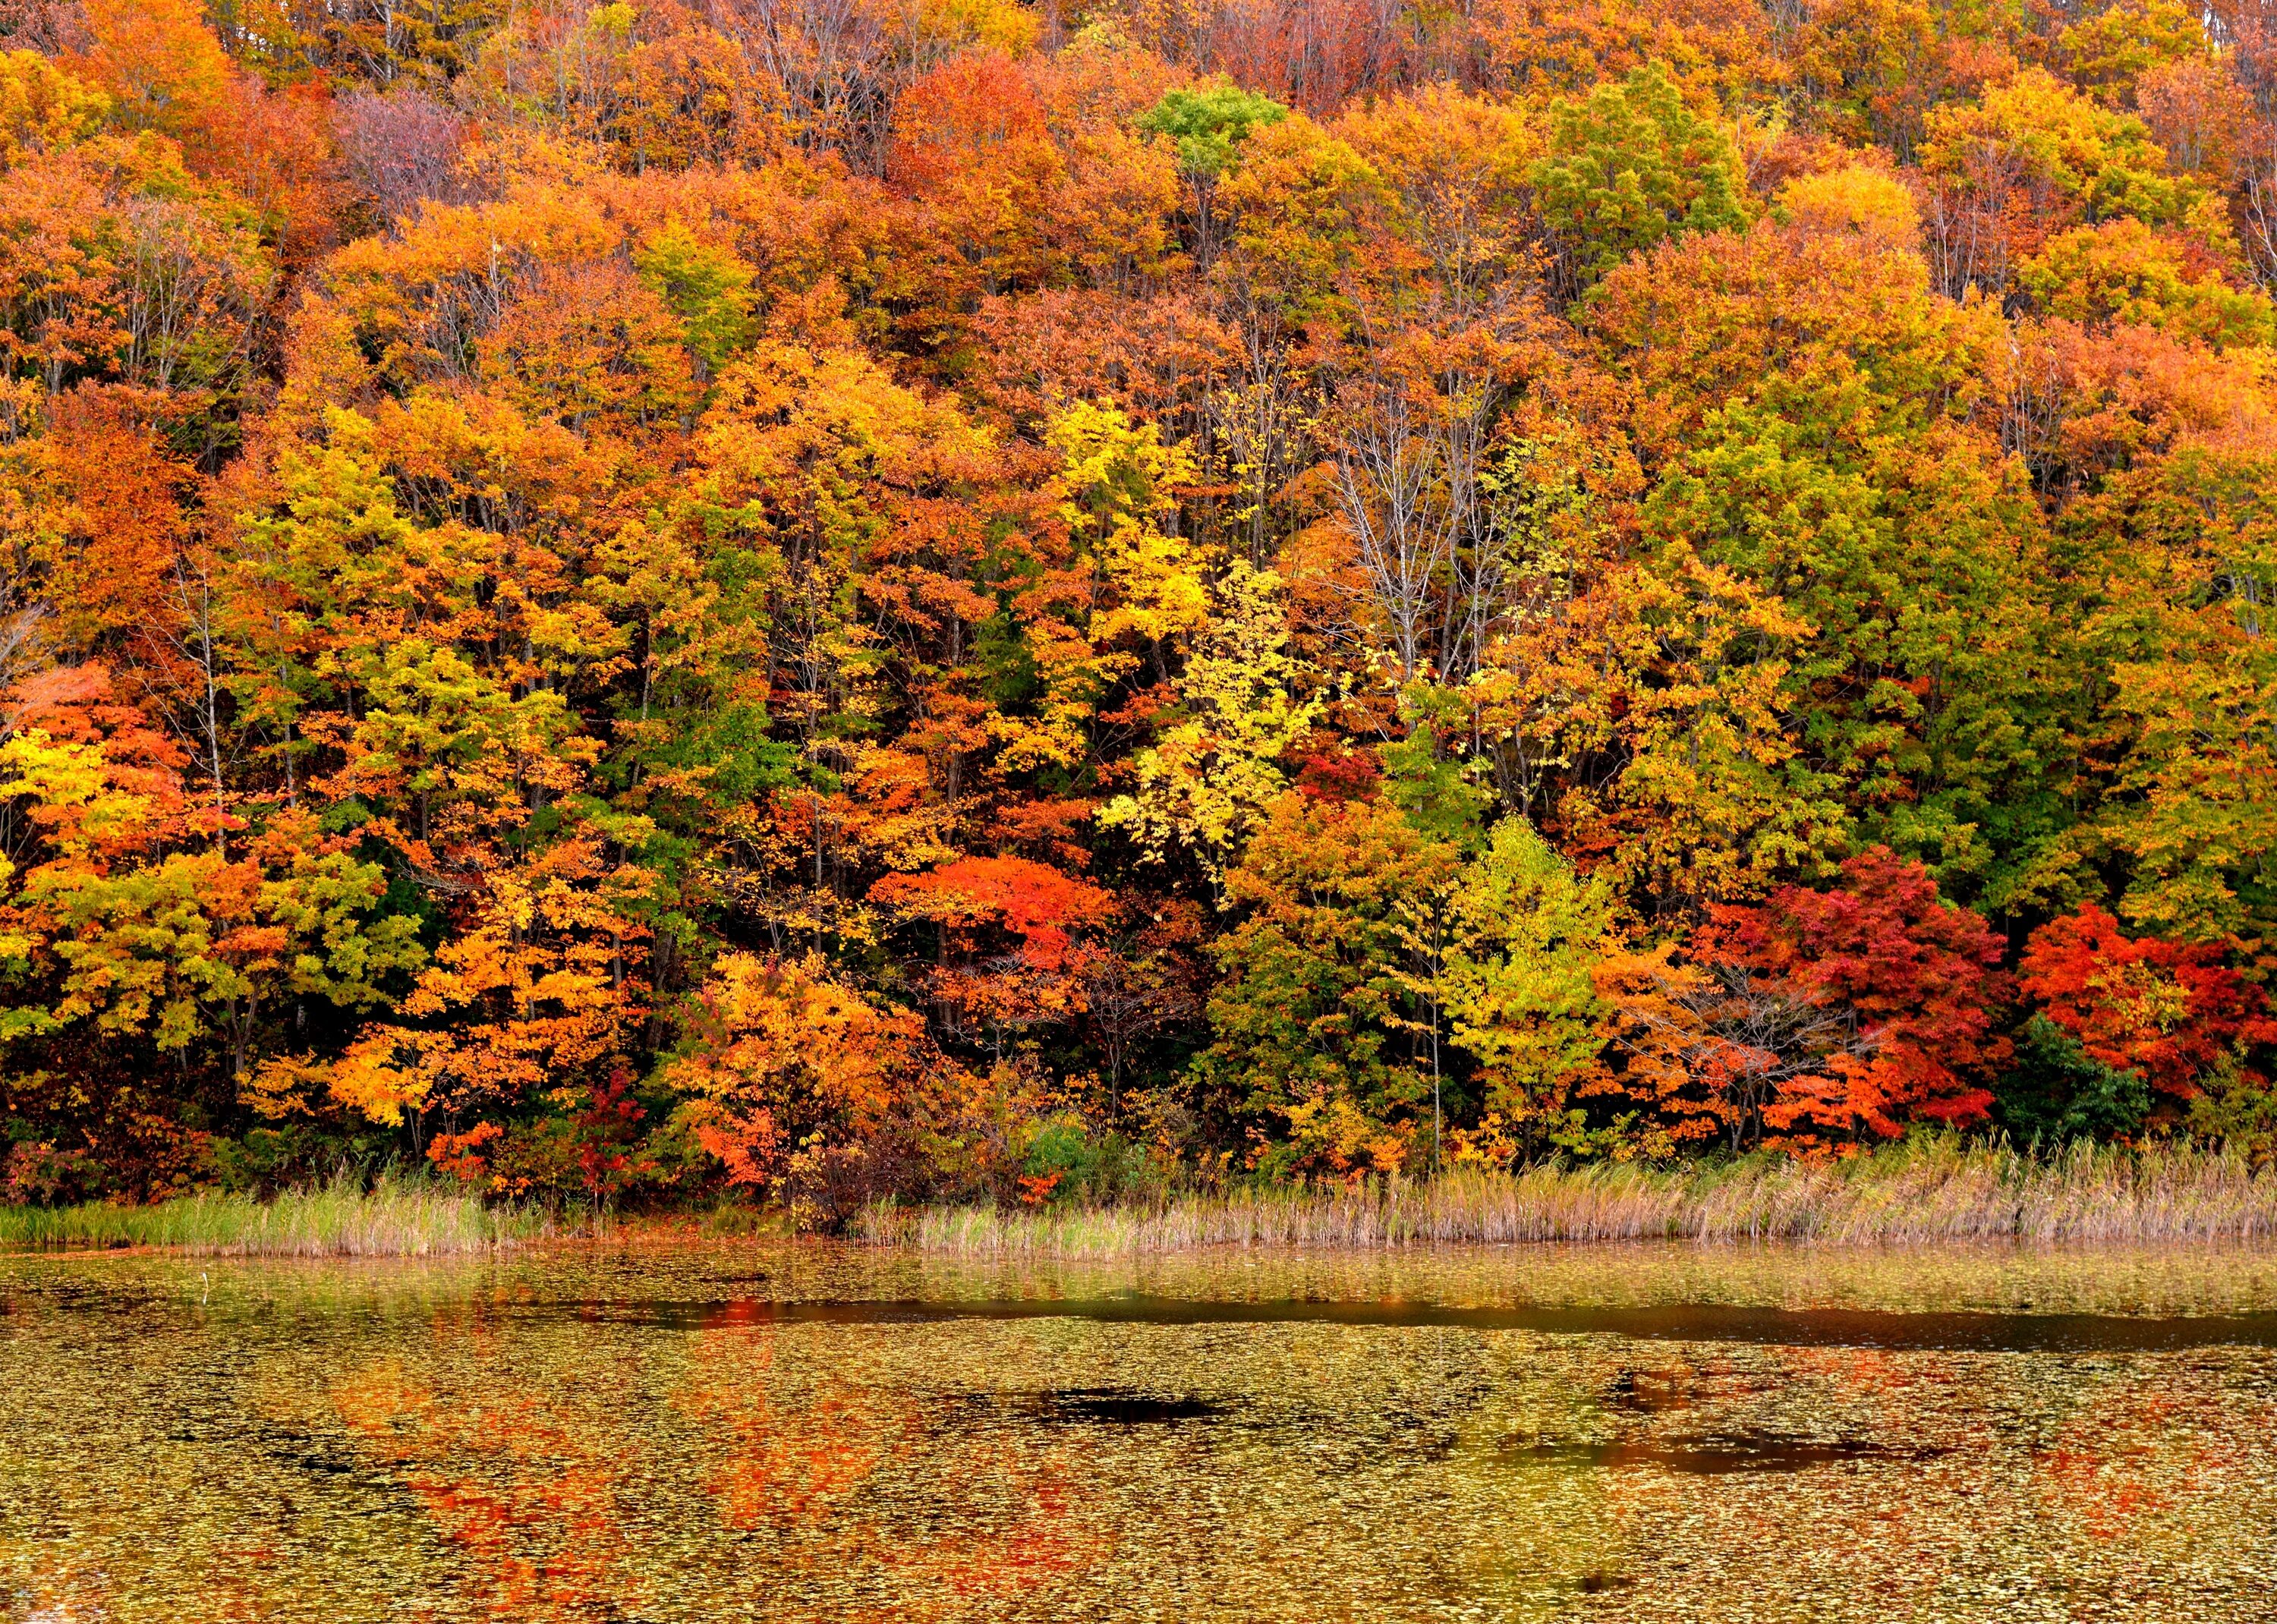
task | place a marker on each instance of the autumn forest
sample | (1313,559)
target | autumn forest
(820,601)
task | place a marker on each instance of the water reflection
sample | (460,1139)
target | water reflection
(1671,1322)
(806,1432)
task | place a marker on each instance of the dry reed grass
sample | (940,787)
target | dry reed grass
(1928,1191)
(341,1219)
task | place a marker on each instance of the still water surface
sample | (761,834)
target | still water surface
(802,1433)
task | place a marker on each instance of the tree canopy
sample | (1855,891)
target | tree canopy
(996,601)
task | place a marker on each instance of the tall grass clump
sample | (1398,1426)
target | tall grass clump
(393,1217)
(1937,1189)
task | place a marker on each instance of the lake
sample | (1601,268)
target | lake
(804,1432)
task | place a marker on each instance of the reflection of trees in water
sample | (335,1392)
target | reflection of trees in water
(522,1487)
(2148,1462)
(856,1478)
(1753,1456)
(511,1464)
(783,1465)
(536,1484)
(2094,1476)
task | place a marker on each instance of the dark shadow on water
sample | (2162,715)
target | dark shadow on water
(1117,1407)
(1716,1455)
(1991,1332)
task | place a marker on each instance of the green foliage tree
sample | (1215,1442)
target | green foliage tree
(1518,987)
(1630,165)
(1312,1023)
(1207,126)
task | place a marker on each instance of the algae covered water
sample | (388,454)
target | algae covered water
(806,1431)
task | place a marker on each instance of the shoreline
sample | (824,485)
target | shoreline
(1935,1192)
(1939,1193)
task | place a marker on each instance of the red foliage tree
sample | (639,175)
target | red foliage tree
(2169,1010)
(1820,1016)
(1918,981)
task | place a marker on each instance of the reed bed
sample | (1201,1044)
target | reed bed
(393,1218)
(1922,1192)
